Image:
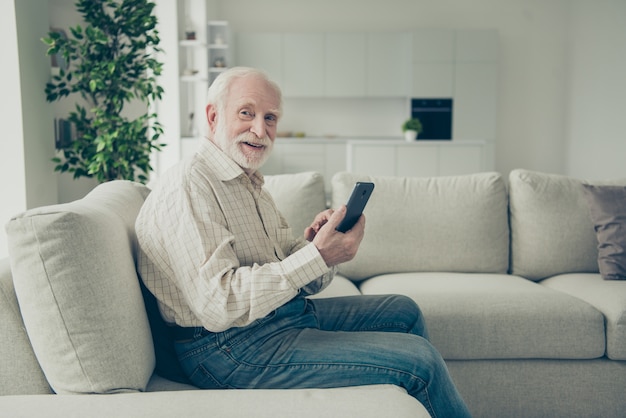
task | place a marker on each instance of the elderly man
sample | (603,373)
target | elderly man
(232,281)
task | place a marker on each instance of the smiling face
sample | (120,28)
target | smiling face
(245,126)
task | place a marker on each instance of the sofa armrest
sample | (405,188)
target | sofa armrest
(21,373)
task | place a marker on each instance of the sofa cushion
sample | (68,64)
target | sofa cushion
(339,287)
(609,297)
(496,316)
(457,223)
(299,197)
(19,370)
(372,401)
(607,207)
(551,232)
(75,280)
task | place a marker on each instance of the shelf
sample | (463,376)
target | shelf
(191,43)
(192,78)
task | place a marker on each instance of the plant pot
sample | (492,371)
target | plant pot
(410,136)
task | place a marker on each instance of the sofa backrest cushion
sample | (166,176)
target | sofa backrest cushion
(551,228)
(455,224)
(299,197)
(74,274)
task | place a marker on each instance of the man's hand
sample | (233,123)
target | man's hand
(334,246)
(319,221)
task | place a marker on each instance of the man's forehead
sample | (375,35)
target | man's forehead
(267,103)
(254,92)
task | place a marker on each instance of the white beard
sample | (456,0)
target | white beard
(235,148)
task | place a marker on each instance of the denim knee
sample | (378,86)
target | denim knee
(410,313)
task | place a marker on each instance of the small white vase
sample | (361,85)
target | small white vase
(410,136)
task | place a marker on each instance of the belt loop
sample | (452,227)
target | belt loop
(197,333)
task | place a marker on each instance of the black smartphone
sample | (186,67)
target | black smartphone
(356,203)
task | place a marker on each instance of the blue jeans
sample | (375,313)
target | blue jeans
(324,343)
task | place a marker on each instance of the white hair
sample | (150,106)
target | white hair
(218,91)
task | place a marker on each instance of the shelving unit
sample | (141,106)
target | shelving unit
(202,58)
(190,49)
(218,48)
(192,68)
(204,53)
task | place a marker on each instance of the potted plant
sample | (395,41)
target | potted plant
(411,128)
(108,63)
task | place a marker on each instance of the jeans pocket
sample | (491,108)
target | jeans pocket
(204,379)
(206,362)
(233,337)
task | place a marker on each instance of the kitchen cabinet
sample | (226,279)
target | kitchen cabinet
(303,64)
(345,65)
(325,156)
(416,159)
(388,64)
(384,157)
(261,50)
(314,65)
(475,84)
(433,63)
(366,67)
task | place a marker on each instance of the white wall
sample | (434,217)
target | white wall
(12,188)
(63,14)
(28,141)
(596,129)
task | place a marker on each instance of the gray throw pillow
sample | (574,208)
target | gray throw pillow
(607,207)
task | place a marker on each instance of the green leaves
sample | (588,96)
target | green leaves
(108,66)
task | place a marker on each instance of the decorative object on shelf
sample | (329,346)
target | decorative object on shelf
(192,129)
(190,71)
(411,128)
(107,66)
(218,50)
(190,31)
(219,62)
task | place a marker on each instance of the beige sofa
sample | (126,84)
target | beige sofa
(506,273)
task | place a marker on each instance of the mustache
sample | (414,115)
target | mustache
(253,139)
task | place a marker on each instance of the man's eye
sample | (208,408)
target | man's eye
(271,119)
(246,114)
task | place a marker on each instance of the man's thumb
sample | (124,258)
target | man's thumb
(337,216)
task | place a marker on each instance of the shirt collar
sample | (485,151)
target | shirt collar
(223,166)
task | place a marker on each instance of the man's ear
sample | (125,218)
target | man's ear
(211,116)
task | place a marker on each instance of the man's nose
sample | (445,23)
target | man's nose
(258,127)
